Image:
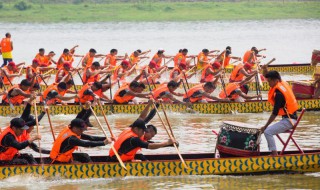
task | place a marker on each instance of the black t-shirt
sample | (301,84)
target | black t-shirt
(88,141)
(280,102)
(10,141)
(132,143)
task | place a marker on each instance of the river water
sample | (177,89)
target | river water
(290,41)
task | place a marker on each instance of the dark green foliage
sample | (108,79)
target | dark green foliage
(22,6)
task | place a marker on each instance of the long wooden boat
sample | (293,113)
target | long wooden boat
(204,108)
(286,68)
(170,165)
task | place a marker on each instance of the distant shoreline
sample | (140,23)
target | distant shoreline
(159,11)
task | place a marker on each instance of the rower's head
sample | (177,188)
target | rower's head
(67,66)
(205,52)
(12,66)
(160,51)
(150,132)
(209,87)
(95,65)
(228,53)
(41,51)
(255,50)
(113,51)
(125,64)
(96,86)
(137,52)
(18,125)
(25,84)
(69,83)
(8,35)
(139,127)
(182,65)
(78,126)
(184,51)
(62,86)
(273,77)
(35,87)
(66,51)
(141,87)
(247,66)
(216,65)
(173,85)
(92,52)
(51,54)
(134,85)
(228,48)
(35,63)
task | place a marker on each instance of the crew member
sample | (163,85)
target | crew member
(182,57)
(6,47)
(55,94)
(66,56)
(89,57)
(33,70)
(166,92)
(250,56)
(158,57)
(17,93)
(9,72)
(45,60)
(89,92)
(126,93)
(136,56)
(92,74)
(210,72)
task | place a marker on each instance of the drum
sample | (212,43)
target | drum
(303,89)
(315,57)
(237,139)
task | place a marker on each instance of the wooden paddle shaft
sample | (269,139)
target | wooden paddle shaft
(38,131)
(49,119)
(165,114)
(105,118)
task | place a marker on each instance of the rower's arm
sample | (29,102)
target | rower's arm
(10,141)
(35,148)
(20,92)
(159,145)
(74,141)
(92,138)
(145,111)
(140,95)
(63,98)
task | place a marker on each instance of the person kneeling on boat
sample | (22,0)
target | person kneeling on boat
(68,141)
(131,140)
(17,93)
(235,92)
(55,94)
(126,93)
(284,104)
(166,92)
(10,145)
(201,92)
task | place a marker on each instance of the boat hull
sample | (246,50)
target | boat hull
(309,162)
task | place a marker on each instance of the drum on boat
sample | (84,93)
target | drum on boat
(315,57)
(238,139)
(303,89)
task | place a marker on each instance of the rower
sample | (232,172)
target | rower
(203,58)
(225,57)
(62,74)
(89,57)
(66,56)
(240,71)
(153,72)
(45,60)
(112,58)
(10,145)
(68,141)
(6,47)
(178,72)
(54,94)
(130,141)
(17,93)
(235,93)
(92,73)
(182,57)
(250,56)
(136,56)
(284,104)
(210,72)
(158,57)
(9,72)
(89,92)
(34,69)
(122,71)
(126,93)
(166,92)
(200,92)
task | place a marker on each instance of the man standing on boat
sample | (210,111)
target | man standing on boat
(10,145)
(6,47)
(68,141)
(284,104)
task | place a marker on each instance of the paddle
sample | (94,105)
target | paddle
(80,77)
(112,147)
(165,114)
(75,88)
(185,78)
(42,80)
(49,119)
(225,92)
(7,78)
(8,96)
(170,136)
(21,69)
(105,119)
(38,131)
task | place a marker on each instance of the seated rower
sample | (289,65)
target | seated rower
(10,145)
(241,71)
(33,71)
(201,92)
(68,141)
(130,141)
(126,93)
(179,72)
(166,92)
(31,122)
(45,60)
(92,73)
(122,71)
(136,56)
(55,94)
(225,57)
(210,72)
(8,72)
(17,93)
(234,92)
(89,92)
(250,56)
(66,56)
(153,73)
(63,73)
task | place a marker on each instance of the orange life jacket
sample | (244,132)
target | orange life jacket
(177,57)
(285,89)
(226,61)
(157,59)
(89,60)
(65,72)
(9,152)
(54,87)
(24,137)
(46,61)
(40,58)
(157,91)
(126,134)
(16,100)
(236,75)
(92,78)
(175,69)
(201,59)
(112,60)
(229,89)
(247,55)
(207,77)
(85,98)
(64,58)
(134,59)
(191,91)
(6,45)
(33,70)
(126,98)
(5,79)
(55,154)
(116,73)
